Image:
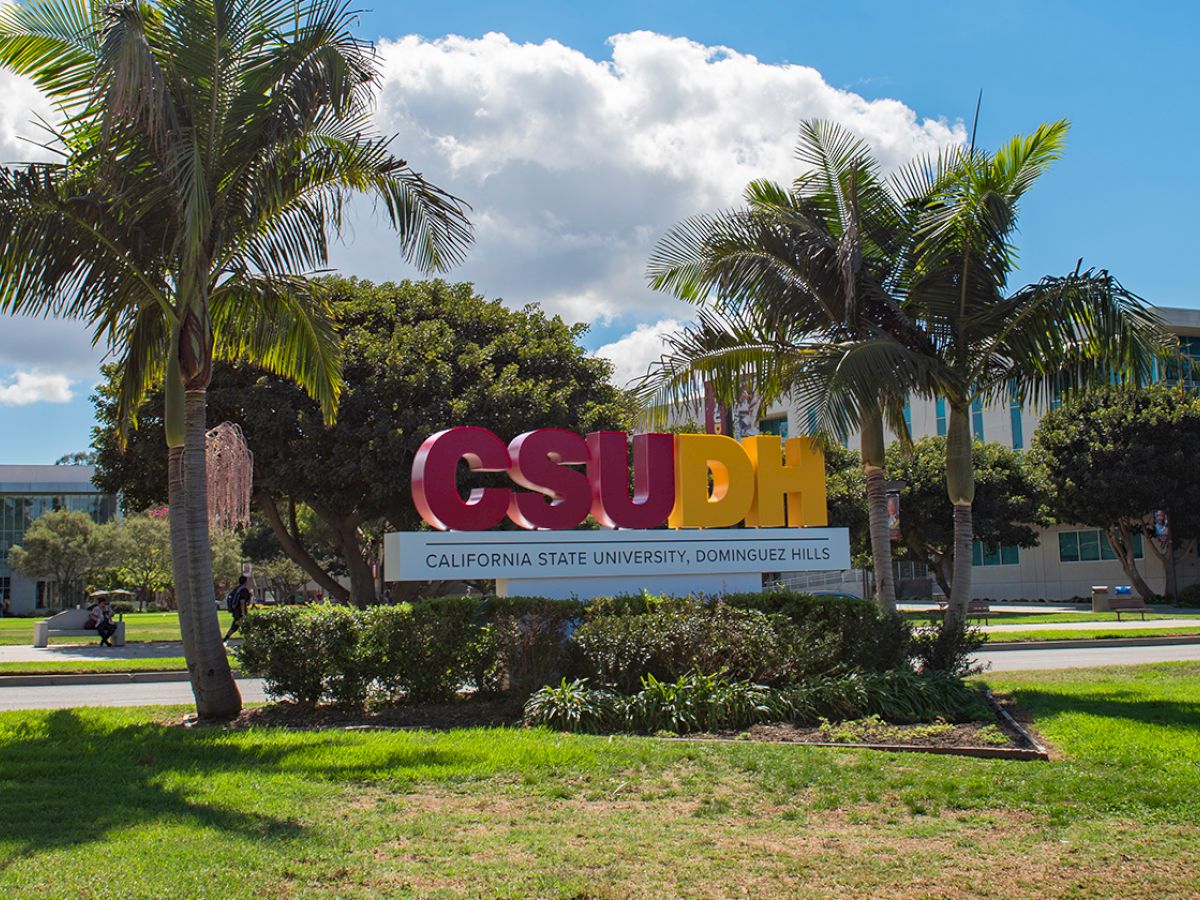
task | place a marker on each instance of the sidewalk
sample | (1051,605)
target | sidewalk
(89,652)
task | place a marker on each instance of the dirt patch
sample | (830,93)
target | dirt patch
(969,734)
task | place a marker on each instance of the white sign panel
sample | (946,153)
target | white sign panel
(452,555)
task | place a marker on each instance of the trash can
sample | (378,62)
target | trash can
(1100,598)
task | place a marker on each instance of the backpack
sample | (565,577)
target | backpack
(236,601)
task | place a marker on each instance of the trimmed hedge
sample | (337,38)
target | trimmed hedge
(431,649)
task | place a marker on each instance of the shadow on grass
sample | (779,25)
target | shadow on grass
(1130,705)
(67,781)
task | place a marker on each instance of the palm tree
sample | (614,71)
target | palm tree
(206,154)
(791,287)
(1060,334)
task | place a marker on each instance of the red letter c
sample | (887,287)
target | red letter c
(435,479)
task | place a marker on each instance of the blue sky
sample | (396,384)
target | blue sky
(1123,74)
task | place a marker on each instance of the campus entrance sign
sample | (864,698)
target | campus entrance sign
(664,524)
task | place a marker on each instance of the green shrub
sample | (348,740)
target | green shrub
(573,706)
(1188,596)
(947,648)
(697,702)
(306,654)
(835,633)
(529,639)
(676,638)
(424,651)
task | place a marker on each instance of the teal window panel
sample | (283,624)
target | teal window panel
(1068,546)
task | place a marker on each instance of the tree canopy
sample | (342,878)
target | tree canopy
(65,546)
(418,357)
(1115,455)
(1010,501)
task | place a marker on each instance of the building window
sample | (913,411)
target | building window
(977,418)
(1189,347)
(908,417)
(810,416)
(995,555)
(777,426)
(1091,546)
(5,588)
(1014,413)
(940,411)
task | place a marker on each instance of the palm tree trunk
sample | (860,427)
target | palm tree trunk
(960,485)
(215,690)
(173,421)
(881,542)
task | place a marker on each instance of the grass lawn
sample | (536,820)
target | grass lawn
(1087,634)
(150,626)
(88,666)
(1034,618)
(115,803)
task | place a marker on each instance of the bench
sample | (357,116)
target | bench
(1120,604)
(70,623)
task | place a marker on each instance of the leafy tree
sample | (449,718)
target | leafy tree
(1009,506)
(208,151)
(79,458)
(62,545)
(140,546)
(846,496)
(419,357)
(286,578)
(1114,455)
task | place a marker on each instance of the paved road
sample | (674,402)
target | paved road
(165,693)
(1082,657)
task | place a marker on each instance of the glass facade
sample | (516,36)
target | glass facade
(940,410)
(1014,414)
(777,426)
(17,511)
(1091,546)
(992,555)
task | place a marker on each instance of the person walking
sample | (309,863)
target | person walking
(238,601)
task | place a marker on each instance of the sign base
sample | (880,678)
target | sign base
(585,588)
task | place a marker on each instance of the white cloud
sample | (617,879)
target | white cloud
(27,388)
(575,167)
(632,354)
(20,105)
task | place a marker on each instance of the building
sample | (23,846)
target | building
(27,492)
(1068,560)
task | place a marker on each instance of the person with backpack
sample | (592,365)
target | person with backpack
(237,601)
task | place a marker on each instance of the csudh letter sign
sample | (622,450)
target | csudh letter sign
(760,480)
(697,485)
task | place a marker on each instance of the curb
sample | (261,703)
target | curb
(68,678)
(1096,642)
